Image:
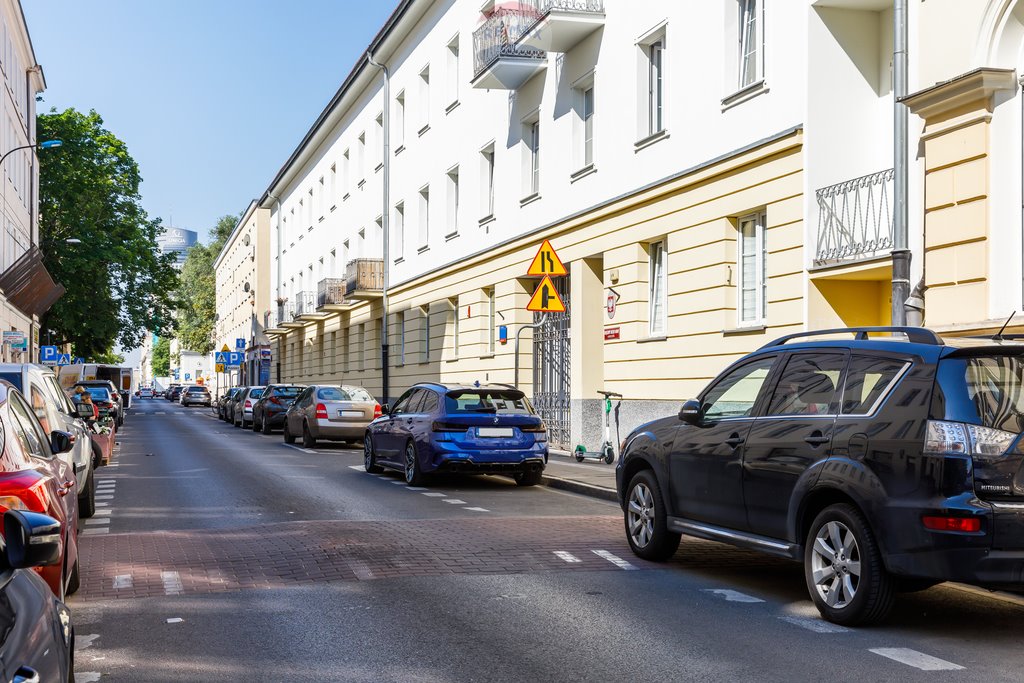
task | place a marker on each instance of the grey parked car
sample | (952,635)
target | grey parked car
(330,412)
(244,401)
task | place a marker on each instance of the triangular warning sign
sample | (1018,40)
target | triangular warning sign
(546,263)
(546,299)
(225,349)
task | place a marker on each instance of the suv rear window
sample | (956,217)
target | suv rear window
(504,401)
(255,393)
(288,392)
(12,377)
(982,390)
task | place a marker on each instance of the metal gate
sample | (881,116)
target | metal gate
(551,359)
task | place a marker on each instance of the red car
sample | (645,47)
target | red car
(33,478)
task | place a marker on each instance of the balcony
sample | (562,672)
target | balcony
(271,323)
(364,279)
(560,24)
(306,308)
(286,316)
(855,220)
(499,62)
(330,295)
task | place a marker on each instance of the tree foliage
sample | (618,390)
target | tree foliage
(118,283)
(107,358)
(197,311)
(161,357)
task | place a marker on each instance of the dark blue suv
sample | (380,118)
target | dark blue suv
(883,464)
(479,429)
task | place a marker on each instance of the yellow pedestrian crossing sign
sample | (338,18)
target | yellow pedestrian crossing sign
(546,299)
(546,263)
(225,349)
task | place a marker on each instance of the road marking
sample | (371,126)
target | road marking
(568,557)
(356,467)
(174,620)
(360,569)
(617,561)
(85,642)
(304,450)
(454,501)
(434,494)
(816,625)
(122,581)
(732,596)
(172,583)
(95,531)
(102,505)
(918,660)
(415,488)
(477,509)
(102,512)
(86,676)
(97,521)
(104,498)
(106,482)
(398,483)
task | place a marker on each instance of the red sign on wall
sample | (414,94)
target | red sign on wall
(611,333)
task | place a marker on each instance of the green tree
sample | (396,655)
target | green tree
(197,311)
(107,358)
(161,355)
(118,283)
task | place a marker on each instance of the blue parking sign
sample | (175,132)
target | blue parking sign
(48,354)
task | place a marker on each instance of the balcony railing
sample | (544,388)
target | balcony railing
(270,319)
(365,275)
(330,290)
(855,219)
(497,37)
(538,8)
(285,312)
(305,302)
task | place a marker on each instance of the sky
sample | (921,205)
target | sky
(211,96)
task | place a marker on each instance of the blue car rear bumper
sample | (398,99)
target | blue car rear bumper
(450,457)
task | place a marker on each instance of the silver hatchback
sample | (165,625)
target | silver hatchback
(330,412)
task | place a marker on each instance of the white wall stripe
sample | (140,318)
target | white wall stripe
(617,561)
(918,660)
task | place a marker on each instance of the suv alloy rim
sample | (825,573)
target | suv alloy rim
(641,515)
(835,564)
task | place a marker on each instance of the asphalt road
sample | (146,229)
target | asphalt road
(229,556)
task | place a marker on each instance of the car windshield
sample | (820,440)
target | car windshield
(12,377)
(99,393)
(503,401)
(288,392)
(343,394)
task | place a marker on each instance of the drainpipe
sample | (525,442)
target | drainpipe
(914,305)
(277,200)
(384,361)
(532,326)
(900,251)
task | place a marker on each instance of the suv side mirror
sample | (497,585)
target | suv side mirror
(691,413)
(33,539)
(385,409)
(61,442)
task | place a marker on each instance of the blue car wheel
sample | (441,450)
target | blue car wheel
(413,473)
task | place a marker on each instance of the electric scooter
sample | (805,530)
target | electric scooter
(607,452)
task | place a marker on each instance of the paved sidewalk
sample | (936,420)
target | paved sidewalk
(588,477)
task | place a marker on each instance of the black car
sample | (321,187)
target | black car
(174,393)
(37,639)
(269,411)
(223,401)
(883,465)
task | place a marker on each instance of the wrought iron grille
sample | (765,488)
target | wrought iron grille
(305,302)
(539,7)
(497,37)
(330,290)
(551,364)
(855,219)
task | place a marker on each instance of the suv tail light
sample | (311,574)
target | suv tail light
(962,524)
(23,491)
(957,438)
(321,411)
(275,400)
(377,411)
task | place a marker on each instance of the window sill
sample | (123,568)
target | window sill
(424,248)
(655,338)
(530,199)
(335,206)
(361,183)
(739,331)
(399,150)
(589,169)
(319,220)
(451,107)
(345,196)
(400,259)
(650,140)
(423,131)
(486,356)
(743,94)
(489,218)
(450,236)
(378,167)
(308,229)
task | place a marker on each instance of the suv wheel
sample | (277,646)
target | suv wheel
(413,473)
(531,478)
(307,438)
(646,519)
(843,568)
(87,501)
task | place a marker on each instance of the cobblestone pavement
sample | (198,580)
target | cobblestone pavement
(150,564)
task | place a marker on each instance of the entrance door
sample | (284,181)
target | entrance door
(551,358)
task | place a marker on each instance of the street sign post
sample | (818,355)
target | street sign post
(239,344)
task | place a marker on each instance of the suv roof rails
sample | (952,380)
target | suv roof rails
(917,335)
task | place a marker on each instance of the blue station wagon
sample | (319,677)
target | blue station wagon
(486,429)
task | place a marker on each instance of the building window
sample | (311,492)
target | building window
(657,290)
(452,86)
(361,156)
(425,311)
(320,197)
(401,338)
(453,203)
(424,103)
(455,326)
(334,184)
(651,80)
(346,178)
(491,321)
(750,43)
(531,158)
(588,126)
(751,265)
(424,216)
(399,127)
(378,148)
(399,245)
(487,181)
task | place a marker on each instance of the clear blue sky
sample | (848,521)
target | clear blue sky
(211,96)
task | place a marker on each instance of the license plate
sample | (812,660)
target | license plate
(350,413)
(494,432)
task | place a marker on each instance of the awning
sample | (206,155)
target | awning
(28,285)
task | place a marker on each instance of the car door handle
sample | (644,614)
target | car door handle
(817,438)
(734,440)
